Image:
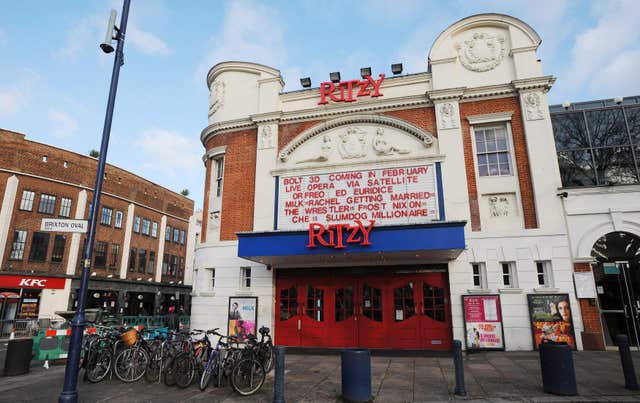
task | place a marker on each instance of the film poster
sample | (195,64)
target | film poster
(242,317)
(483,322)
(551,319)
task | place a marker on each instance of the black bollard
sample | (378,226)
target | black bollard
(457,361)
(630,380)
(278,384)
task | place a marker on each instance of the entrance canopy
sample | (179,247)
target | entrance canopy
(398,244)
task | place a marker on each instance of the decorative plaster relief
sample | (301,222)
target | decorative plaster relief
(483,52)
(499,206)
(217,97)
(325,151)
(382,145)
(266,138)
(449,116)
(532,106)
(352,143)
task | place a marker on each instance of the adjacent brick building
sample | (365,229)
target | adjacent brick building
(143,244)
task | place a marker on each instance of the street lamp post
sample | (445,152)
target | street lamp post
(69,391)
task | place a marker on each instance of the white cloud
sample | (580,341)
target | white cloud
(169,153)
(146,42)
(15,97)
(63,125)
(250,32)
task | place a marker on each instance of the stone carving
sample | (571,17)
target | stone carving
(382,146)
(352,143)
(499,206)
(214,220)
(448,116)
(483,52)
(325,151)
(266,138)
(217,96)
(532,106)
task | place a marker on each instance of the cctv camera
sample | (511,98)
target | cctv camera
(108,38)
(566,104)
(618,100)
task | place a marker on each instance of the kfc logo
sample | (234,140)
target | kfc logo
(33,282)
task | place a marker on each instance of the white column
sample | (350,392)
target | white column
(265,191)
(6,212)
(81,206)
(128,227)
(191,244)
(163,228)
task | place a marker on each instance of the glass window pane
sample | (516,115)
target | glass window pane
(481,147)
(483,170)
(500,133)
(491,146)
(633,120)
(482,159)
(503,158)
(615,166)
(502,144)
(494,170)
(505,169)
(479,136)
(569,131)
(607,128)
(493,158)
(576,168)
(490,135)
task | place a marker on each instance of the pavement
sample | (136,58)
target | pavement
(489,376)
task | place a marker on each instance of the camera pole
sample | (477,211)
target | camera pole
(70,391)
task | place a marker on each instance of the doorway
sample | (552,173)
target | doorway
(617,277)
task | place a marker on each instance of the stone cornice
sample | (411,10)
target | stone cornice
(448,94)
(214,152)
(245,67)
(523,49)
(544,83)
(489,118)
(444,60)
(266,117)
(229,125)
(488,91)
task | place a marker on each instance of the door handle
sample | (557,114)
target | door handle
(299,325)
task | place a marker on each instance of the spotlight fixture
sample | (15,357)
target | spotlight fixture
(618,100)
(305,82)
(566,105)
(334,77)
(396,68)
(365,71)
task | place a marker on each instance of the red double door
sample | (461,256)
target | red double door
(407,311)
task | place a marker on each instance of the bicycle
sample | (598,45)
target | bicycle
(248,374)
(186,363)
(131,363)
(213,365)
(266,353)
(99,351)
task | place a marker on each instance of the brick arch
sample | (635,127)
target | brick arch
(426,138)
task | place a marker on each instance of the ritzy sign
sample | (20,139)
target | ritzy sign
(345,91)
(336,235)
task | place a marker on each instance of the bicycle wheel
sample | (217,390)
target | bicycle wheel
(219,373)
(131,364)
(152,374)
(184,369)
(207,372)
(268,357)
(169,376)
(248,376)
(98,365)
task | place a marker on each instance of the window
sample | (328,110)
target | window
(100,254)
(479,275)
(245,273)
(17,247)
(543,272)
(165,264)
(132,259)
(105,217)
(181,237)
(142,261)
(146,226)
(65,207)
(213,278)
(173,265)
(39,246)
(167,233)
(176,235)
(47,204)
(58,248)
(219,175)
(509,278)
(152,262)
(26,203)
(118,221)
(136,224)
(181,267)
(492,150)
(115,251)
(154,229)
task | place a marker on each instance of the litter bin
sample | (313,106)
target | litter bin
(18,359)
(356,375)
(558,372)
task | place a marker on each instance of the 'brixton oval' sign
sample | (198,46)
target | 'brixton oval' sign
(63,225)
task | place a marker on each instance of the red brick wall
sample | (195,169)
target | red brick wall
(521,157)
(590,313)
(424,118)
(289,131)
(238,181)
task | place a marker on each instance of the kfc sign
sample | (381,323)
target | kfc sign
(336,235)
(345,90)
(31,282)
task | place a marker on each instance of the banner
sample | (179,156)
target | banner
(242,317)
(483,322)
(551,319)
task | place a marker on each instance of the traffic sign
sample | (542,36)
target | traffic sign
(64,225)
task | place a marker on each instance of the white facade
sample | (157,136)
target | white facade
(508,69)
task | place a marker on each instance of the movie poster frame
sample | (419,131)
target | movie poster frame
(242,297)
(464,320)
(532,327)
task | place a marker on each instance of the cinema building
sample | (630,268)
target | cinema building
(143,250)
(390,210)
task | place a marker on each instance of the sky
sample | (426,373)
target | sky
(54,80)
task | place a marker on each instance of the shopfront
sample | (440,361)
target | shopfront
(20,295)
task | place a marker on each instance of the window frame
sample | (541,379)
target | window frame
(481,275)
(151,262)
(154,229)
(245,277)
(182,236)
(49,204)
(547,273)
(136,224)
(117,220)
(108,215)
(506,125)
(511,274)
(16,242)
(213,278)
(167,233)
(219,174)
(24,200)
(115,251)
(64,208)
(142,260)
(100,250)
(146,227)
(133,254)
(57,256)
(32,252)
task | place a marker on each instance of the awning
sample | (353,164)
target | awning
(436,242)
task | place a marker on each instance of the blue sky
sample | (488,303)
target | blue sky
(54,80)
